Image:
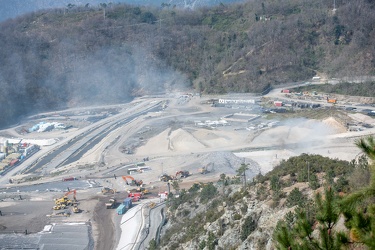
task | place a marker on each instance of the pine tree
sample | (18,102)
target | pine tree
(241,171)
(300,235)
(359,207)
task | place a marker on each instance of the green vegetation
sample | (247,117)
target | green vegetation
(309,224)
(358,209)
(249,225)
(366,88)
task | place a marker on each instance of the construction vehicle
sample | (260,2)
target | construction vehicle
(76,209)
(331,101)
(59,207)
(107,190)
(203,170)
(65,201)
(206,169)
(135,196)
(166,178)
(139,190)
(111,203)
(133,182)
(143,190)
(182,174)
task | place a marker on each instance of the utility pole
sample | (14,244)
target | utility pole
(308,172)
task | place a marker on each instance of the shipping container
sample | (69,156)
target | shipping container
(121,209)
(285,91)
(127,203)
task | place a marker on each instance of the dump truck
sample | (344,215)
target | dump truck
(331,101)
(128,203)
(165,178)
(111,203)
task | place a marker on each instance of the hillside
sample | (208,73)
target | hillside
(12,9)
(75,56)
(230,215)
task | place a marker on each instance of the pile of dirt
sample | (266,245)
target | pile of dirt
(181,140)
(335,125)
(362,118)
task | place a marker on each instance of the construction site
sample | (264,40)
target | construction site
(86,186)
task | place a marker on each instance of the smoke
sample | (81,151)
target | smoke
(107,75)
(117,74)
(298,134)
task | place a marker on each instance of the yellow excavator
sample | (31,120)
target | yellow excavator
(63,202)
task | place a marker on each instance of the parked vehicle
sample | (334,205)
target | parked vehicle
(121,209)
(111,203)
(332,101)
(128,203)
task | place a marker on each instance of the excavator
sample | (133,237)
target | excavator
(182,174)
(133,182)
(61,203)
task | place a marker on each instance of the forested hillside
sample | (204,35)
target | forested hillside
(84,55)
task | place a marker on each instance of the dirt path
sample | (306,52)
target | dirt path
(105,220)
(106,230)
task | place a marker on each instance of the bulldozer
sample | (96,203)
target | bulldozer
(107,190)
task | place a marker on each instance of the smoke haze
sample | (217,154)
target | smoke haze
(106,76)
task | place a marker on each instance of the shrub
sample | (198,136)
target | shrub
(295,198)
(249,225)
(208,192)
(237,216)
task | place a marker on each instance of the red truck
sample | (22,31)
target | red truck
(135,196)
(13,162)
